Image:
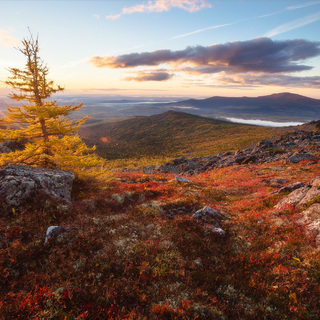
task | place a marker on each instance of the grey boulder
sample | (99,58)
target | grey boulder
(22,183)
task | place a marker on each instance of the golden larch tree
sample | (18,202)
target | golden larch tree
(51,139)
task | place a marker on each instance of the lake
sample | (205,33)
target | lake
(264,123)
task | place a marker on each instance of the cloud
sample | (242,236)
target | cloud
(303,5)
(298,23)
(150,76)
(6,40)
(96,16)
(254,18)
(164,5)
(256,62)
(257,55)
(271,80)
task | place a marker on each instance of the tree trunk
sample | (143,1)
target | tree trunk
(44,131)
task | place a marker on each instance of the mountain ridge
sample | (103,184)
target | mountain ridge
(283,107)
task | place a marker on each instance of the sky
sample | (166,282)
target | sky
(164,48)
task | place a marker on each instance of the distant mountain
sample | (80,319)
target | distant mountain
(275,107)
(282,106)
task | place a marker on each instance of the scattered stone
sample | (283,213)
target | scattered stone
(215,230)
(182,179)
(297,157)
(179,160)
(207,212)
(53,232)
(168,168)
(274,182)
(291,187)
(149,170)
(292,148)
(210,218)
(22,183)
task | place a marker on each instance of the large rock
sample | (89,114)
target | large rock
(10,146)
(302,195)
(22,183)
(210,219)
(53,232)
(297,157)
(311,218)
(208,212)
(291,187)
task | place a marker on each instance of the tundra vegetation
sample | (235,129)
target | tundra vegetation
(131,248)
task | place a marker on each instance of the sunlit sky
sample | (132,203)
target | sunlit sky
(187,48)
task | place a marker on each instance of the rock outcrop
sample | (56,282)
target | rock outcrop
(301,195)
(19,184)
(290,148)
(304,196)
(311,218)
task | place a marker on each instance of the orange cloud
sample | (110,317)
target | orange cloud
(164,5)
(256,55)
(260,61)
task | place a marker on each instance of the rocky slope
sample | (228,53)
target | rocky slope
(289,148)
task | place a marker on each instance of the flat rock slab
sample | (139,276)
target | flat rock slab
(22,183)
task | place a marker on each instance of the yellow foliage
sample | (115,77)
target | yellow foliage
(50,135)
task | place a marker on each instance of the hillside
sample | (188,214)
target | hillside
(135,246)
(233,235)
(171,134)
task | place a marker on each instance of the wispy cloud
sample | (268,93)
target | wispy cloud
(303,5)
(295,24)
(202,30)
(6,40)
(97,16)
(270,80)
(292,24)
(163,5)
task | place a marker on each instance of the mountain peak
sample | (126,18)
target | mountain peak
(286,95)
